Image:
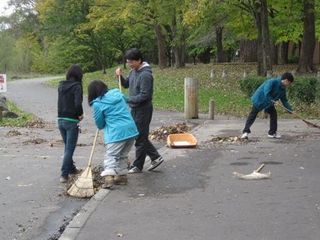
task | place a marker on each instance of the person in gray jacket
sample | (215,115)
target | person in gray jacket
(140,84)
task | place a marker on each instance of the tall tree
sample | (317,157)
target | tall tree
(309,38)
(259,10)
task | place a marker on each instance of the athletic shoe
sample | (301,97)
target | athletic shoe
(64,179)
(275,135)
(155,163)
(75,171)
(110,172)
(134,169)
(120,180)
(245,135)
(108,182)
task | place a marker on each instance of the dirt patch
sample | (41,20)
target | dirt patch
(38,123)
(162,133)
(34,141)
(13,133)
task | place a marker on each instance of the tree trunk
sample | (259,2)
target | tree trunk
(264,49)
(162,46)
(179,43)
(309,38)
(220,53)
(283,53)
(248,50)
(274,54)
(179,55)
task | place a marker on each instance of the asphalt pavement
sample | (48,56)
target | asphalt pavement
(193,194)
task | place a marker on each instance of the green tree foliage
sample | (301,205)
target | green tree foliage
(49,35)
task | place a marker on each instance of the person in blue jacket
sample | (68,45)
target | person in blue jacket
(265,97)
(111,113)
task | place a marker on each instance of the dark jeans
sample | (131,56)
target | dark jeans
(273,119)
(142,117)
(69,132)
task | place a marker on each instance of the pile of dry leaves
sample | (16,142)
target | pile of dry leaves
(228,139)
(163,132)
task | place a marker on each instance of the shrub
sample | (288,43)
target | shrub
(249,84)
(304,90)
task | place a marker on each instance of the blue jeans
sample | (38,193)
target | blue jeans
(69,132)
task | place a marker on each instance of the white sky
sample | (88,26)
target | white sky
(3,6)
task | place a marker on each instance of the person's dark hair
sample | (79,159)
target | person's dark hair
(288,76)
(134,54)
(74,73)
(96,88)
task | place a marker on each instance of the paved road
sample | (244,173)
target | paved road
(195,196)
(192,196)
(33,205)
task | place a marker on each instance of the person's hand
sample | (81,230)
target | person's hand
(119,72)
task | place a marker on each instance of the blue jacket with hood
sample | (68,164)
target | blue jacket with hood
(270,90)
(111,113)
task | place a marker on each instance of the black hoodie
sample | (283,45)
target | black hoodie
(70,99)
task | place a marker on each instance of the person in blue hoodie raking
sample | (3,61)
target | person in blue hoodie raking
(111,113)
(140,84)
(265,97)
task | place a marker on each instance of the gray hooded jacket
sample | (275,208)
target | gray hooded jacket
(140,84)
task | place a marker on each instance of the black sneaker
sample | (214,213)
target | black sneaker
(75,171)
(64,179)
(155,163)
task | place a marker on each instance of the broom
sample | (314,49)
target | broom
(310,124)
(255,175)
(83,186)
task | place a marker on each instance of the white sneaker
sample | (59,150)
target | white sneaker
(155,163)
(134,170)
(245,135)
(108,172)
(275,135)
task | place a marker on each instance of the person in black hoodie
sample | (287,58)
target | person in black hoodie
(140,84)
(70,113)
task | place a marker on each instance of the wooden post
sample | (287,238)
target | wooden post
(211,109)
(0,114)
(212,74)
(190,98)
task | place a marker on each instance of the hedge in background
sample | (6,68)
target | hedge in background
(249,84)
(304,90)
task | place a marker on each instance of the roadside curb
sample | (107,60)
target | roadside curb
(72,230)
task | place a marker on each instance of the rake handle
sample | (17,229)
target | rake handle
(93,147)
(260,168)
(119,80)
(293,113)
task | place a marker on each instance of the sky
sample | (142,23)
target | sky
(3,5)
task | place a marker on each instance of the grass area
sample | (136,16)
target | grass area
(226,93)
(25,119)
